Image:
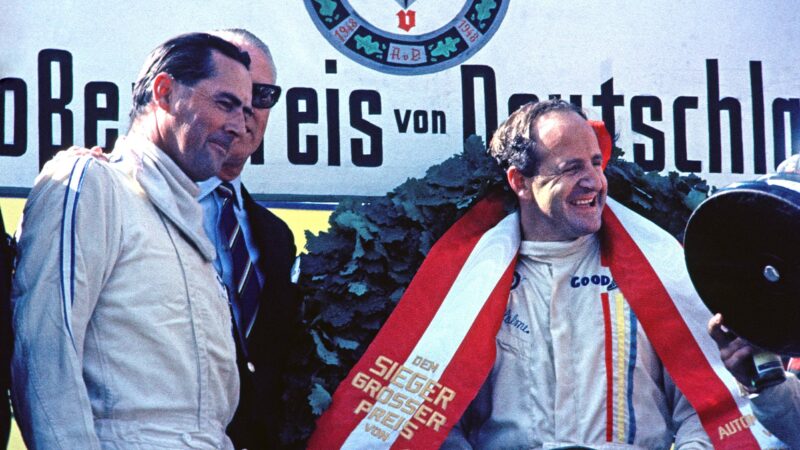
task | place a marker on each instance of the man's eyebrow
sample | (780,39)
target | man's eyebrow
(578,162)
(236,101)
(571,161)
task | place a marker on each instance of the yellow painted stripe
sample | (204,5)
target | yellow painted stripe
(12,211)
(620,375)
(299,220)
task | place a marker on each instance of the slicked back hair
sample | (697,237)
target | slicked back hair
(187,58)
(514,142)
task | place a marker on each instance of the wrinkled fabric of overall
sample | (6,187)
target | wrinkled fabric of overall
(547,387)
(137,352)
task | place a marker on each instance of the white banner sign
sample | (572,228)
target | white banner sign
(376,91)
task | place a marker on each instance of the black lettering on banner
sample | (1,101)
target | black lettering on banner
(682,161)
(715,107)
(257,157)
(101,100)
(780,107)
(438,122)
(294,118)
(420,122)
(516,101)
(607,100)
(653,103)
(332,112)
(19,143)
(759,144)
(95,113)
(357,121)
(50,105)
(402,122)
(468,75)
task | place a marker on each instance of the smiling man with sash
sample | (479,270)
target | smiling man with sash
(571,322)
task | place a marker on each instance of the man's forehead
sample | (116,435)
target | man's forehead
(561,125)
(229,76)
(224,65)
(560,132)
(260,65)
(558,123)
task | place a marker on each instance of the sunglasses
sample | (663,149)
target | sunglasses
(265,95)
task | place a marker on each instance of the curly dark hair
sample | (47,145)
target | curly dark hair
(514,142)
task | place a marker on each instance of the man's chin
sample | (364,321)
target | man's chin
(201,175)
(587,226)
(594,227)
(229,173)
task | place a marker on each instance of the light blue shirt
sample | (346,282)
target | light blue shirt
(212,206)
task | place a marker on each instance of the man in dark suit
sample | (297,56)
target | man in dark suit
(6,263)
(267,321)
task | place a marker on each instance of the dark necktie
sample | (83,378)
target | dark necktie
(244,298)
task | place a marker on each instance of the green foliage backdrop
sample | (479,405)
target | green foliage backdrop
(355,273)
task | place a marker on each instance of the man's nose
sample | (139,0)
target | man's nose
(592,178)
(236,124)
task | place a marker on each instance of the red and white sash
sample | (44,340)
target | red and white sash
(648,265)
(436,349)
(432,355)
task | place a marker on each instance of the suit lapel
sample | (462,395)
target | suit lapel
(260,231)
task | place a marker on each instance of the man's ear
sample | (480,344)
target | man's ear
(517,182)
(163,87)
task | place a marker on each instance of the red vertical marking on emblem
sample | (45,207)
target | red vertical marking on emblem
(609,368)
(406,20)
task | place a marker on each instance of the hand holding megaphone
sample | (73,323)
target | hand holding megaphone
(754,368)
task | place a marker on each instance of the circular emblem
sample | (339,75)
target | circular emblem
(407,37)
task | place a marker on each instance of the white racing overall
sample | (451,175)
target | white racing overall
(123,332)
(555,367)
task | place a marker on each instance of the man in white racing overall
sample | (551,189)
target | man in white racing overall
(122,327)
(573,366)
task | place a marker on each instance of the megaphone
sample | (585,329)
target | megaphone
(742,248)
